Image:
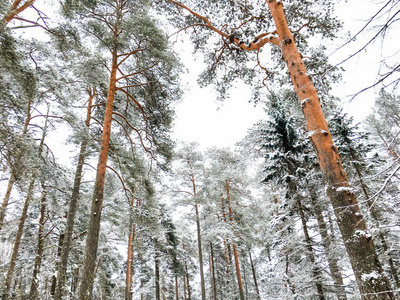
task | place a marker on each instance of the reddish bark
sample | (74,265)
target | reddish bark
(16,9)
(92,241)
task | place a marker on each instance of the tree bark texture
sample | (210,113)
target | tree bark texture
(73,207)
(92,240)
(371,280)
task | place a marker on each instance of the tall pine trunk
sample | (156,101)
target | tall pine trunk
(129,262)
(92,240)
(200,251)
(213,278)
(187,274)
(73,206)
(368,271)
(235,252)
(34,293)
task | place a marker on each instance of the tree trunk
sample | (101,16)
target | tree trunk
(371,280)
(129,263)
(199,248)
(326,242)
(316,271)
(33,293)
(54,278)
(176,288)
(18,237)
(92,240)
(73,207)
(203,287)
(376,216)
(14,11)
(214,282)
(11,267)
(254,277)
(12,178)
(187,275)
(235,253)
(157,277)
(4,205)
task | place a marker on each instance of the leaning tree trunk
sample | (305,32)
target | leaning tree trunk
(371,280)
(73,206)
(375,214)
(92,240)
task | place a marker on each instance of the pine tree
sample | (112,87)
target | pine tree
(360,248)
